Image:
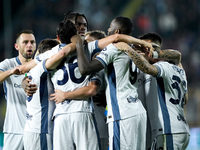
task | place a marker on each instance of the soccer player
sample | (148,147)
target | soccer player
(38,131)
(126,114)
(99,100)
(16,98)
(74,126)
(165,88)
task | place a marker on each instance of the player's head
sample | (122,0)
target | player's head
(94,35)
(79,20)
(152,38)
(45,45)
(25,43)
(65,31)
(121,25)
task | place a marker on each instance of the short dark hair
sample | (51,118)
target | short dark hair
(72,16)
(154,37)
(96,34)
(25,31)
(47,44)
(65,31)
(125,25)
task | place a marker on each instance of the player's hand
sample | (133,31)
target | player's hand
(58,96)
(122,46)
(76,38)
(15,71)
(29,88)
(21,69)
(148,47)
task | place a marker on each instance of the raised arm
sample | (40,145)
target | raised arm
(56,59)
(138,59)
(171,55)
(79,94)
(102,43)
(85,67)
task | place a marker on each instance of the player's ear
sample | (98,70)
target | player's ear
(16,46)
(58,38)
(118,31)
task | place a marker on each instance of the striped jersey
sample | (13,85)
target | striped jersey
(165,99)
(121,77)
(67,77)
(39,108)
(15,117)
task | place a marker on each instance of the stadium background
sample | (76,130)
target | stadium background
(177,21)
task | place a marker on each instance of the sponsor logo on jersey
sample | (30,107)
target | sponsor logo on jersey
(132,99)
(147,80)
(181,118)
(28,116)
(17,85)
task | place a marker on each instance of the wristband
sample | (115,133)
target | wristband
(155,55)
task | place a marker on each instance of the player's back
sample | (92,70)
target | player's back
(167,101)
(67,77)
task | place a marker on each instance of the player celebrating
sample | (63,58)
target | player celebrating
(16,98)
(164,105)
(125,110)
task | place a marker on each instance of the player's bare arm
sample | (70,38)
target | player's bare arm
(8,73)
(26,67)
(138,59)
(56,59)
(85,67)
(79,94)
(102,43)
(171,55)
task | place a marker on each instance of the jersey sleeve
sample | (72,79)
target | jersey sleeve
(4,65)
(162,66)
(92,48)
(107,55)
(96,77)
(47,54)
(37,72)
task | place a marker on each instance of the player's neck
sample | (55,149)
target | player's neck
(24,60)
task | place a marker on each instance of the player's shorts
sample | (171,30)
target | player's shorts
(128,134)
(178,141)
(75,131)
(33,141)
(13,141)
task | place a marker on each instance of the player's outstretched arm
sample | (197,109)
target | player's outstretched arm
(26,67)
(85,67)
(169,54)
(8,73)
(79,94)
(138,59)
(56,59)
(102,43)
